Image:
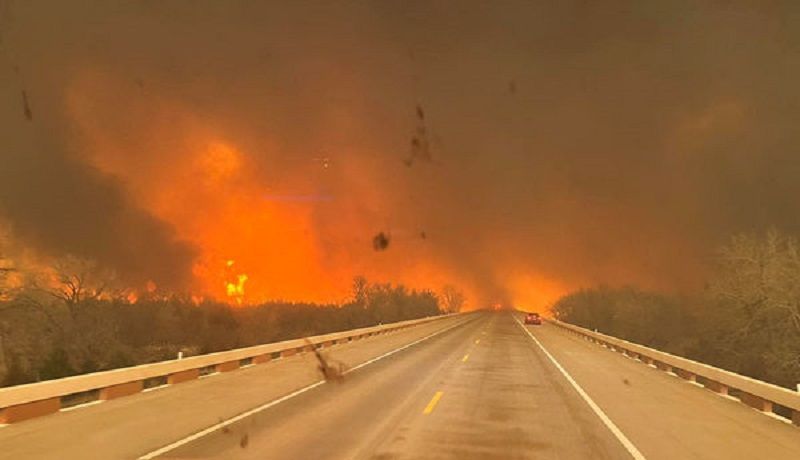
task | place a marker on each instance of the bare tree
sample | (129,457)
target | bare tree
(761,277)
(4,272)
(81,279)
(360,288)
(6,267)
(757,304)
(452,299)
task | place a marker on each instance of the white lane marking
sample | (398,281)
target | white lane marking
(603,417)
(275,402)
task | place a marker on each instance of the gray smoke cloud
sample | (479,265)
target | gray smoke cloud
(587,142)
(53,200)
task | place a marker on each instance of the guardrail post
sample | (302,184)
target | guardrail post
(717,387)
(123,389)
(228,366)
(288,352)
(663,366)
(32,409)
(686,375)
(261,359)
(183,376)
(755,402)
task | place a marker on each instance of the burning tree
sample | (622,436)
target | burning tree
(452,299)
(78,280)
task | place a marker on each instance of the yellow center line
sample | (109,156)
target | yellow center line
(431,405)
(465,358)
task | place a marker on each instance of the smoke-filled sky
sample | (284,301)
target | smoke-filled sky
(515,149)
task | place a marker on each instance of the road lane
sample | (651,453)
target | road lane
(664,416)
(128,427)
(506,401)
(480,390)
(331,422)
(629,446)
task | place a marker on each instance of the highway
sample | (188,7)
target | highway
(476,387)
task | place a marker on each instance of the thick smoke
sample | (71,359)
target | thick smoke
(64,207)
(53,200)
(559,145)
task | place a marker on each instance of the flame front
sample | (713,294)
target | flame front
(235,289)
(298,228)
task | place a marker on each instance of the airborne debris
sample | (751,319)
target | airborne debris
(325,162)
(331,370)
(26,106)
(626,381)
(244,441)
(512,87)
(423,235)
(381,241)
(420,145)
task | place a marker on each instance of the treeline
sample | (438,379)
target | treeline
(43,338)
(747,320)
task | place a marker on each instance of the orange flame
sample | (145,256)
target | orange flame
(235,289)
(217,196)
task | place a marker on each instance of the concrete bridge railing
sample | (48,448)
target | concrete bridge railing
(23,402)
(763,396)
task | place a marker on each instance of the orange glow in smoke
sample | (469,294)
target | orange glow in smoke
(251,249)
(220,197)
(535,293)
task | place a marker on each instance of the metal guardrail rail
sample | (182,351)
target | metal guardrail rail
(755,393)
(22,402)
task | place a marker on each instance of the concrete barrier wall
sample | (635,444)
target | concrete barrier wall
(755,393)
(35,399)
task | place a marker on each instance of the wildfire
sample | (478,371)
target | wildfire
(236,201)
(235,288)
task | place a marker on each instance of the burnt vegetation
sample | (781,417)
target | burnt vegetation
(746,320)
(48,334)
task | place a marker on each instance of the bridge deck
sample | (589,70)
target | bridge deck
(483,389)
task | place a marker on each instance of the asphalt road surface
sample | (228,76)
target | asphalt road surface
(476,387)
